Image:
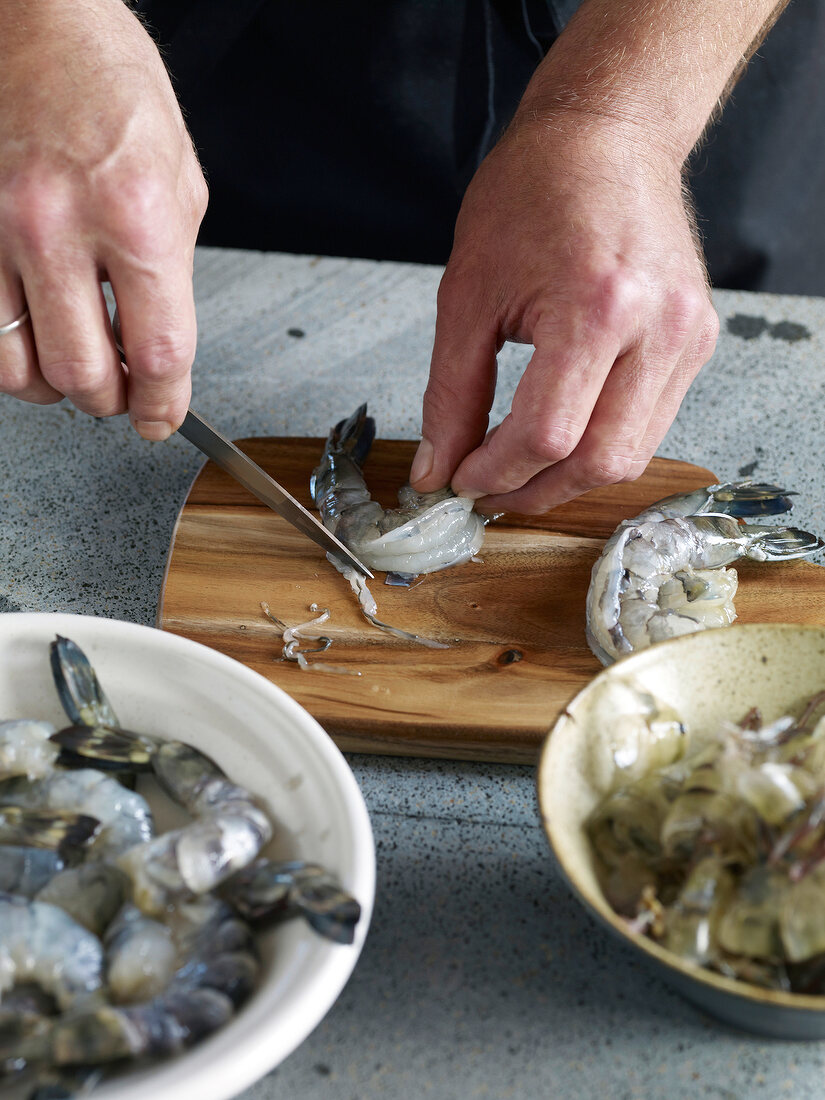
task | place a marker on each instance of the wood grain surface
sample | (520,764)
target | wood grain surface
(514,622)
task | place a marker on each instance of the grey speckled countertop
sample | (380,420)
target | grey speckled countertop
(481,976)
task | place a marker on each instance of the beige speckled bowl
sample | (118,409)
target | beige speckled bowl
(705,677)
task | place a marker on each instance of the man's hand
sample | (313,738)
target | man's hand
(575,236)
(98,182)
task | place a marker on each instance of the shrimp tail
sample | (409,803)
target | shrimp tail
(326,907)
(77,685)
(353,435)
(749,498)
(740,499)
(267,892)
(780,543)
(104,747)
(62,832)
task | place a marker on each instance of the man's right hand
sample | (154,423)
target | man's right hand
(98,182)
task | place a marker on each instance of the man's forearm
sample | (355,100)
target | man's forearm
(665,65)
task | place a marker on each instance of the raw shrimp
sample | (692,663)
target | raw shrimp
(429,531)
(719,855)
(93,716)
(141,957)
(144,955)
(218,975)
(25,870)
(124,816)
(661,573)
(228,832)
(25,748)
(62,831)
(117,983)
(41,943)
(268,891)
(230,826)
(91,894)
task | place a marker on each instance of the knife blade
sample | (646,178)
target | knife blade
(230,458)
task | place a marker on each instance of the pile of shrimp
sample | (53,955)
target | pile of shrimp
(712,842)
(119,945)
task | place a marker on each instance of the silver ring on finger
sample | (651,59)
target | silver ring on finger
(18,322)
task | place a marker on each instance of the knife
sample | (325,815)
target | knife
(240,466)
(230,458)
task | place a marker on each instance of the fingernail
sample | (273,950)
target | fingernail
(422,464)
(153,430)
(470,494)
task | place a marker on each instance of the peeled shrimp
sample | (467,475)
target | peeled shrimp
(25,748)
(427,532)
(662,573)
(41,943)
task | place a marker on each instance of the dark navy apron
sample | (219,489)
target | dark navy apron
(353,128)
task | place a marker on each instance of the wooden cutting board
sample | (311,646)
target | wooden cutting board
(514,623)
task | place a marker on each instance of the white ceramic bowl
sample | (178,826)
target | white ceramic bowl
(706,677)
(169,686)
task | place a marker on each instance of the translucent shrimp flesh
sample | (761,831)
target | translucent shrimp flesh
(663,573)
(228,831)
(41,943)
(141,956)
(124,816)
(25,870)
(218,973)
(25,748)
(427,532)
(718,850)
(91,894)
